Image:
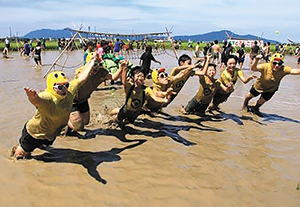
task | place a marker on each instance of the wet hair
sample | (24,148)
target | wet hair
(149,48)
(212,64)
(234,57)
(136,70)
(184,58)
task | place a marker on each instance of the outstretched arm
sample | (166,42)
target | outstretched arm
(157,62)
(32,96)
(246,80)
(203,71)
(295,72)
(183,67)
(83,75)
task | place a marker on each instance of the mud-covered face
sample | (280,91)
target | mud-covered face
(57,84)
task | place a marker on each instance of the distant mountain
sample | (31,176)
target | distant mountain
(207,37)
(46,33)
(220,36)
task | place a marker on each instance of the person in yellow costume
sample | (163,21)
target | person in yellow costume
(53,107)
(208,86)
(228,78)
(135,96)
(80,115)
(163,85)
(269,81)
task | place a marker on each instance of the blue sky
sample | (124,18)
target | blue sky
(187,17)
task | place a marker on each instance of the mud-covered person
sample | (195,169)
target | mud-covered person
(135,96)
(53,107)
(268,83)
(80,115)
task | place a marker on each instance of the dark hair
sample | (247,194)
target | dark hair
(90,43)
(137,69)
(149,48)
(216,42)
(212,64)
(243,45)
(184,58)
(234,57)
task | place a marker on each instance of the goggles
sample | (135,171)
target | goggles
(61,86)
(277,63)
(163,75)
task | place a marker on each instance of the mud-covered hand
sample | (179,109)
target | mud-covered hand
(32,96)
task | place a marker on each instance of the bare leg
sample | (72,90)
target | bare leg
(76,121)
(248,97)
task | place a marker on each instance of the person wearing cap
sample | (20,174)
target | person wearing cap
(269,81)
(208,86)
(80,115)
(53,107)
(228,78)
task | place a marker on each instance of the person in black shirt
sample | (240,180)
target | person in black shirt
(145,60)
(241,55)
(254,51)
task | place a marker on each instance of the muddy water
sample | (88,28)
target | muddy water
(235,162)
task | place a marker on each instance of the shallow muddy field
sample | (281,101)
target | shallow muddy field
(234,160)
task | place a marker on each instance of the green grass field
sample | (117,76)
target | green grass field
(52,45)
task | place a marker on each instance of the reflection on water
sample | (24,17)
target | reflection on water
(225,159)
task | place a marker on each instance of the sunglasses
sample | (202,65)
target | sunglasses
(97,64)
(277,63)
(163,75)
(61,86)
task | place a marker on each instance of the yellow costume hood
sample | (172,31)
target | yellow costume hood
(54,78)
(277,57)
(155,73)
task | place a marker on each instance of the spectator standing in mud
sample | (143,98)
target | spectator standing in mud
(145,60)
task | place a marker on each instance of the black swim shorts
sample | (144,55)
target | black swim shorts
(195,106)
(131,116)
(267,95)
(28,143)
(82,107)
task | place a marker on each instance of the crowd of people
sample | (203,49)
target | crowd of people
(65,103)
